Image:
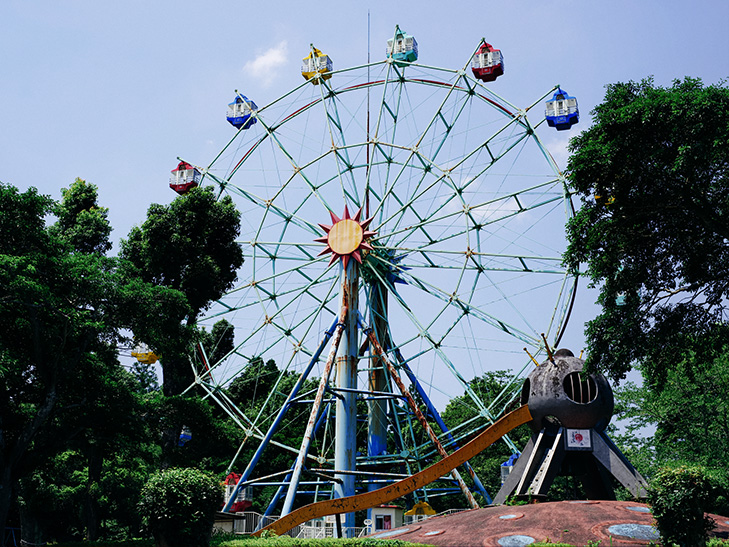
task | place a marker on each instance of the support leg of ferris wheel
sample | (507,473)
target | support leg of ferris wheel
(311,424)
(377,381)
(345,448)
(377,348)
(280,416)
(376,414)
(438,420)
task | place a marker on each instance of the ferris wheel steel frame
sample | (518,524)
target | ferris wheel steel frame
(394,262)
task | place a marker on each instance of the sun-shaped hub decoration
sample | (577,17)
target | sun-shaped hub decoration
(346,237)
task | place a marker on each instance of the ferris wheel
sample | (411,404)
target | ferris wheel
(403,227)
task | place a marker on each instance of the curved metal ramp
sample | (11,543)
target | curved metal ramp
(388,493)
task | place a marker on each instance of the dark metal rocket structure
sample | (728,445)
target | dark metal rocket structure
(570,411)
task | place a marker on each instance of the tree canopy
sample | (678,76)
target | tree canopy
(58,315)
(188,247)
(653,230)
(72,416)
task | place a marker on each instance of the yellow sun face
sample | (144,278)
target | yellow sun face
(346,237)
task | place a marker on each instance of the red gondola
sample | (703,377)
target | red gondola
(184,178)
(488,63)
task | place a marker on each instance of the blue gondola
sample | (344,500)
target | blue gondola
(402,47)
(240,112)
(185,436)
(562,111)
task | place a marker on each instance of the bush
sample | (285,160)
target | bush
(178,507)
(679,497)
(286,541)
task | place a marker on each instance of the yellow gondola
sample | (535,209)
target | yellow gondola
(144,355)
(316,66)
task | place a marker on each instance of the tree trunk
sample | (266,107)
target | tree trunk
(31,528)
(177,376)
(91,501)
(6,496)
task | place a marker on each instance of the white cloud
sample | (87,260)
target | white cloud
(265,67)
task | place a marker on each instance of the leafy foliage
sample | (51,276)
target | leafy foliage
(77,431)
(679,497)
(260,390)
(178,506)
(59,318)
(461,410)
(690,412)
(190,246)
(653,174)
(688,418)
(81,222)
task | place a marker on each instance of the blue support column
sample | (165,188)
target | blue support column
(345,447)
(280,416)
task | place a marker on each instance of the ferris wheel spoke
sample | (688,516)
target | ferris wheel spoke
(439,352)
(467,308)
(296,168)
(339,143)
(439,115)
(267,206)
(434,345)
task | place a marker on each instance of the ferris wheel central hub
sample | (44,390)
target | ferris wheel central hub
(346,237)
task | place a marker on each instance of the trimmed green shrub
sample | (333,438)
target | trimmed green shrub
(178,507)
(286,541)
(679,497)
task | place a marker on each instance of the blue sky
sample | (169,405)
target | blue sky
(113,92)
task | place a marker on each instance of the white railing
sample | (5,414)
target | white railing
(250,521)
(309,531)
(412,519)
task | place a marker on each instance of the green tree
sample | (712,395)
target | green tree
(679,498)
(59,315)
(219,342)
(690,413)
(653,175)
(80,221)
(188,246)
(461,409)
(178,506)
(688,422)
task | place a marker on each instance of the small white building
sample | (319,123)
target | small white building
(386,517)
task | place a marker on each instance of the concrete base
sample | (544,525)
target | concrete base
(574,522)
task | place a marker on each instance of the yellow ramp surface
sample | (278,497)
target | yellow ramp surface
(388,493)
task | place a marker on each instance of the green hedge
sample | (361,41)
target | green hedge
(286,541)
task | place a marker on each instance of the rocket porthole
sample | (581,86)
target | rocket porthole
(580,388)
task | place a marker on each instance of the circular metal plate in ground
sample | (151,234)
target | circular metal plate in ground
(515,541)
(635,531)
(393,533)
